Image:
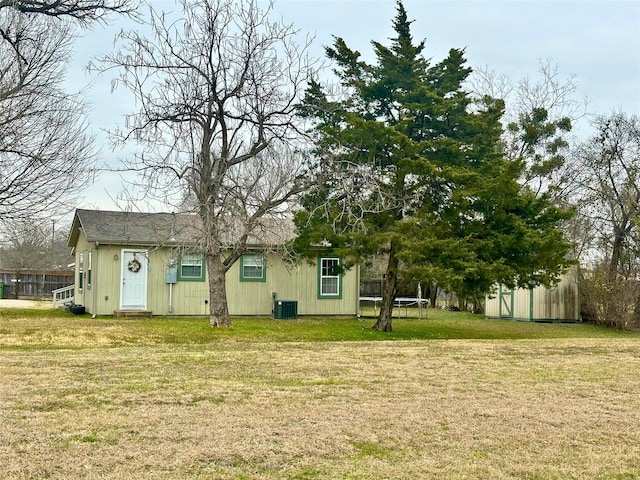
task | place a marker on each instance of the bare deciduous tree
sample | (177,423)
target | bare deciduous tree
(45,150)
(539,114)
(34,243)
(218,90)
(44,147)
(84,11)
(610,199)
(610,178)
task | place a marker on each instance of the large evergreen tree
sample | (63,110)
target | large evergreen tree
(413,170)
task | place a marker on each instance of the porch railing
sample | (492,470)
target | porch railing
(63,296)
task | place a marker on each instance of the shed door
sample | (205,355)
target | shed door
(133,287)
(506,302)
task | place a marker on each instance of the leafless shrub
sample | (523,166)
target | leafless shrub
(610,300)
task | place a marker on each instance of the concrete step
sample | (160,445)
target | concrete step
(133,313)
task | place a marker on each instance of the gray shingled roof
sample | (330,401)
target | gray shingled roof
(137,228)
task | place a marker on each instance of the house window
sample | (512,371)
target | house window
(329,278)
(89,269)
(253,268)
(191,268)
(80,270)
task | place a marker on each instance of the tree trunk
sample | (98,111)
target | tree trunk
(433,295)
(218,309)
(616,253)
(462,304)
(389,290)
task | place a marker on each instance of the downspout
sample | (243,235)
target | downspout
(171,275)
(94,275)
(170,298)
(357,299)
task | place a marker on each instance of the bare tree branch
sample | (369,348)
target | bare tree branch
(217,89)
(84,12)
(609,166)
(45,149)
(539,114)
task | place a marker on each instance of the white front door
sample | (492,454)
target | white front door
(133,287)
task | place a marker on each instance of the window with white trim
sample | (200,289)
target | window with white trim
(329,278)
(191,268)
(252,268)
(89,269)
(80,270)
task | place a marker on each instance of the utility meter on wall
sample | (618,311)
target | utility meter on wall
(172,275)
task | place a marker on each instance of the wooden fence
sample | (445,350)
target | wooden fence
(33,283)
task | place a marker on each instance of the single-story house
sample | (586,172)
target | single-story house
(540,304)
(149,262)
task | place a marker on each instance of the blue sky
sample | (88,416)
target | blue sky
(597,41)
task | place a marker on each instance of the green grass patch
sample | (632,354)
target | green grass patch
(370,449)
(35,329)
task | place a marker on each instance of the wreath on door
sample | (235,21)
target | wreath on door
(134,266)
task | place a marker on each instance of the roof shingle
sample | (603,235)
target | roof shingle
(138,228)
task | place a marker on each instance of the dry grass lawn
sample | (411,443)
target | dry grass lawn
(472,409)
